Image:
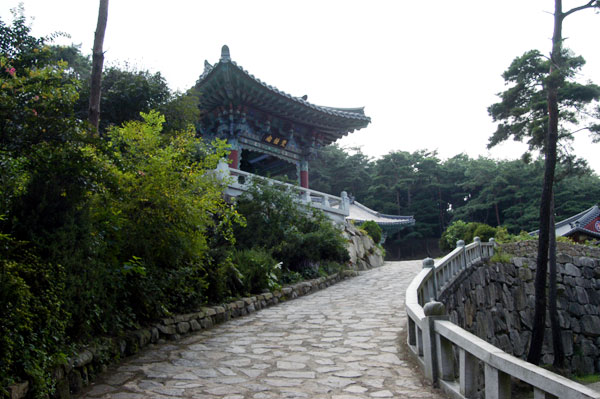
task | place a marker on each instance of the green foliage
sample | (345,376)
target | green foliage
(167,201)
(587,379)
(258,270)
(484,232)
(125,93)
(522,112)
(373,230)
(456,231)
(300,237)
(459,230)
(500,257)
(32,317)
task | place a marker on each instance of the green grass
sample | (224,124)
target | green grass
(587,379)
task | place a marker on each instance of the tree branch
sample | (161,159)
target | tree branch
(590,4)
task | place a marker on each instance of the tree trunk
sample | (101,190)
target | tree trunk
(557,346)
(97,62)
(497,214)
(553,82)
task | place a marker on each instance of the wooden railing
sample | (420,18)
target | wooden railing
(441,346)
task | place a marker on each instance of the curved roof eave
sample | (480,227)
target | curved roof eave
(355,116)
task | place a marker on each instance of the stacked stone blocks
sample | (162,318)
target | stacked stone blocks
(495,301)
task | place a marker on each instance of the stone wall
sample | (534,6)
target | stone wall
(495,301)
(95,358)
(364,254)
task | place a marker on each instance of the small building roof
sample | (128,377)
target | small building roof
(586,222)
(227,83)
(360,213)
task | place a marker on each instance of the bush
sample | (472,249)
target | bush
(484,232)
(258,270)
(373,230)
(32,319)
(459,230)
(300,237)
(163,216)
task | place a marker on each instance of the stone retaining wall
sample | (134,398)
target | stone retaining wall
(364,254)
(94,359)
(495,301)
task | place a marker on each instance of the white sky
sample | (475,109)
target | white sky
(425,71)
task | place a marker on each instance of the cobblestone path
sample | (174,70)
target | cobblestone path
(341,342)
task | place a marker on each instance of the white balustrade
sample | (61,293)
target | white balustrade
(435,341)
(238,182)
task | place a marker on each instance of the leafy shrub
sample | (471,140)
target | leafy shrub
(258,270)
(162,212)
(32,319)
(484,232)
(299,236)
(459,230)
(373,230)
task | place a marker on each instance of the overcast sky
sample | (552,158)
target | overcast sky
(425,71)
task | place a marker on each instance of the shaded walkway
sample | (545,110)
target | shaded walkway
(341,342)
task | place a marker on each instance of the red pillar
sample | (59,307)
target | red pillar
(234,156)
(304,178)
(304,173)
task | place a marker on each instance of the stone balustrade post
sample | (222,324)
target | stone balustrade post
(494,244)
(463,256)
(431,286)
(431,356)
(468,368)
(306,197)
(345,205)
(497,383)
(326,202)
(222,170)
(477,241)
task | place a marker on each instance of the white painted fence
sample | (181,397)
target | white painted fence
(436,341)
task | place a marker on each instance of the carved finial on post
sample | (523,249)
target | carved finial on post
(477,240)
(460,243)
(428,263)
(345,205)
(434,308)
(225,56)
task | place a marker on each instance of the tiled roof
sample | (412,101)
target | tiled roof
(339,121)
(577,223)
(361,213)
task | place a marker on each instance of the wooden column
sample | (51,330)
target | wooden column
(304,174)
(234,154)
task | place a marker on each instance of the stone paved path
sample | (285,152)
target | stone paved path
(341,342)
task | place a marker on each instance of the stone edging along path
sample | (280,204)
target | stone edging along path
(95,359)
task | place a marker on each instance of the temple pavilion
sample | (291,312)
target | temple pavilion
(274,134)
(269,132)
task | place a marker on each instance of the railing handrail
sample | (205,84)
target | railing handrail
(538,377)
(337,208)
(238,172)
(424,331)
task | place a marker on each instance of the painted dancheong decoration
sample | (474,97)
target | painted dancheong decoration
(581,227)
(264,124)
(272,133)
